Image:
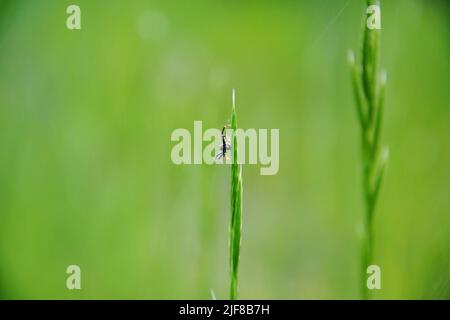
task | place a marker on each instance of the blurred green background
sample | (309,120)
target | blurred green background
(85,170)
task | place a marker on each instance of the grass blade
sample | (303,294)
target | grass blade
(236,208)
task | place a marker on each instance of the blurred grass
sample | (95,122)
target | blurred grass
(85,170)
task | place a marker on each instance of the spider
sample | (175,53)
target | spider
(225,145)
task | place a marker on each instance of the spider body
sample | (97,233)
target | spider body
(224,147)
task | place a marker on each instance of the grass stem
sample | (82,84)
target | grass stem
(369,87)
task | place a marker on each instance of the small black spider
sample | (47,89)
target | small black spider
(225,145)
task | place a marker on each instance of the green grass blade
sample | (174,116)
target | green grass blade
(236,209)
(361,107)
(379,116)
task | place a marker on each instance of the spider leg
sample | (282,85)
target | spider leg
(219,155)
